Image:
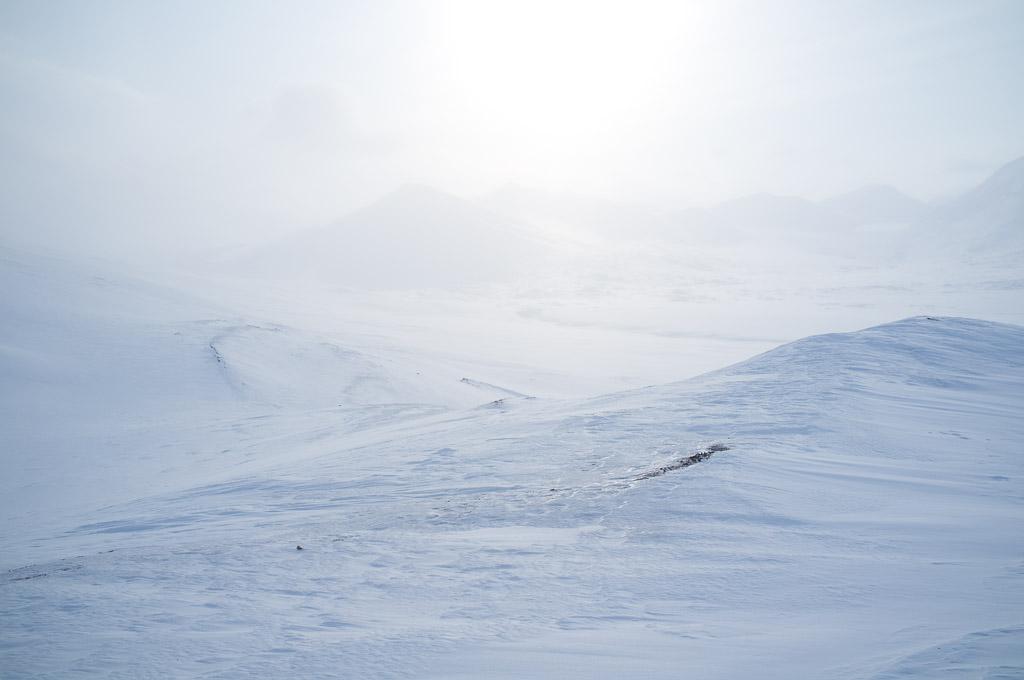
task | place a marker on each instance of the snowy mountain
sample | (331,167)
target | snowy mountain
(986,221)
(765,222)
(577,215)
(783,214)
(846,505)
(414,237)
(843,506)
(756,218)
(876,204)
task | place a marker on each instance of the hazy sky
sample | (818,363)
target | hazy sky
(207,122)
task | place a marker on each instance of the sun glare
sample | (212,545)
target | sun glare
(558,74)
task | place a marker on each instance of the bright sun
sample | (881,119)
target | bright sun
(555,75)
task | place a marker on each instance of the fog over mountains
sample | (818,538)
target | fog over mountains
(413,236)
(491,428)
(986,221)
(420,236)
(460,339)
(876,204)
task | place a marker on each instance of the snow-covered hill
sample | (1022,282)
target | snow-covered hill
(113,386)
(984,223)
(845,506)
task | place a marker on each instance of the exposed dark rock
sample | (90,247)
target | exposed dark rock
(701,455)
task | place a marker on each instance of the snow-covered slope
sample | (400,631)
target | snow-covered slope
(112,386)
(845,506)
(986,222)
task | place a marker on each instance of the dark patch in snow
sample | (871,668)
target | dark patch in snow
(30,576)
(698,457)
(34,572)
(216,354)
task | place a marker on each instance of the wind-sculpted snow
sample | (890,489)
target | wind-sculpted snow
(867,512)
(112,388)
(288,367)
(990,654)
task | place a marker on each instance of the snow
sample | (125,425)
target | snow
(864,522)
(985,223)
(876,204)
(548,475)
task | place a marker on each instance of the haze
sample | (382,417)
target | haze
(472,339)
(144,127)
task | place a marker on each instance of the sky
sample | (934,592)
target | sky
(127,125)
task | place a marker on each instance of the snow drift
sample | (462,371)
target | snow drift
(861,522)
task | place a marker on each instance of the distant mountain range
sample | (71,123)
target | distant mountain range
(421,237)
(414,236)
(876,204)
(986,221)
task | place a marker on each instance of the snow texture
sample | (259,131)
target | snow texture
(848,505)
(860,518)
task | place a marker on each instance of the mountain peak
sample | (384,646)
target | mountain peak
(987,219)
(1007,179)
